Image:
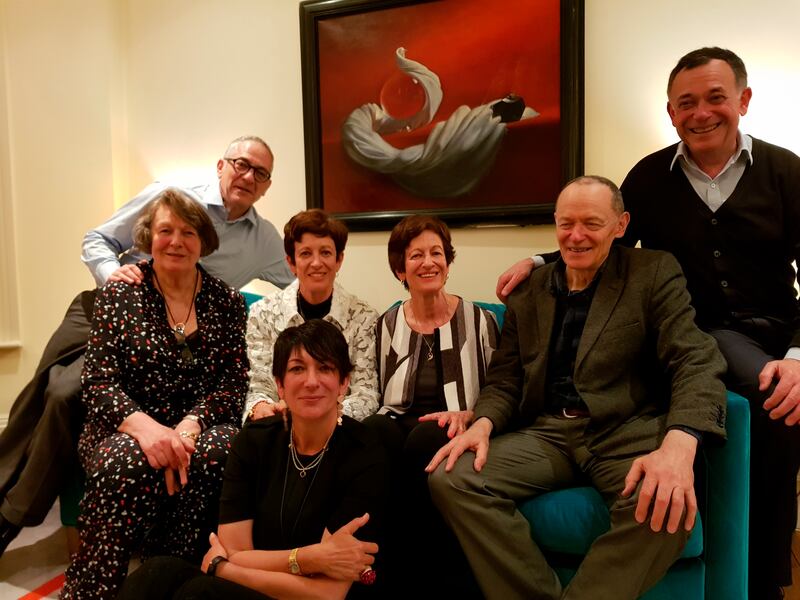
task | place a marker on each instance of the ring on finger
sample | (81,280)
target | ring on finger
(368,576)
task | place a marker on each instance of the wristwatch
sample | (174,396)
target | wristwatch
(212,566)
(197,420)
(294,567)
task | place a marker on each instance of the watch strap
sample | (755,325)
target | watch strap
(212,566)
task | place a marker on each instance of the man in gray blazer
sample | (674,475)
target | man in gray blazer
(601,376)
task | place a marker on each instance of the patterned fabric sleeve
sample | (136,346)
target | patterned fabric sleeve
(103,393)
(262,331)
(362,397)
(225,402)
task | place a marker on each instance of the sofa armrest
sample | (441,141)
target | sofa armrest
(728,506)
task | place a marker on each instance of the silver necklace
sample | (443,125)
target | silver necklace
(430,346)
(302,470)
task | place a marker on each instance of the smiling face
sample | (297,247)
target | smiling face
(425,263)
(586,225)
(315,264)
(310,388)
(705,104)
(240,191)
(175,244)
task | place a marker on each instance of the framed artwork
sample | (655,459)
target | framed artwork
(466,109)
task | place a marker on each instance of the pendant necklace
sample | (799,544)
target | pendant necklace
(179,329)
(302,470)
(296,459)
(429,345)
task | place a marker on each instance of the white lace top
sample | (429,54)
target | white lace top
(354,317)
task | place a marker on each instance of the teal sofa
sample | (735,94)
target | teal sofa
(713,565)
(564,523)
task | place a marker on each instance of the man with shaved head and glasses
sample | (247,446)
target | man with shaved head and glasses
(37,447)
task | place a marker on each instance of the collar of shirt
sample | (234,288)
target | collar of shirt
(744,143)
(213,200)
(558,281)
(714,192)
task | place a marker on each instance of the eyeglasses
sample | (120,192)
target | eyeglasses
(186,353)
(241,166)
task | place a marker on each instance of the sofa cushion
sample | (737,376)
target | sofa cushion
(568,521)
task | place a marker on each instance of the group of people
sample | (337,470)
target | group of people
(314,448)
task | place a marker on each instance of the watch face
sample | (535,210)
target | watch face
(212,567)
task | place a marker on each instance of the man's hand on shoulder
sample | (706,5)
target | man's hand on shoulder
(668,483)
(784,403)
(512,277)
(130,274)
(476,439)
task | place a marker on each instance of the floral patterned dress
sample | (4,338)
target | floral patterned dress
(134,363)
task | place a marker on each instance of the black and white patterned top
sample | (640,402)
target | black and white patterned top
(466,344)
(134,363)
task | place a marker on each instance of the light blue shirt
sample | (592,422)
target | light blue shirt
(249,247)
(715,191)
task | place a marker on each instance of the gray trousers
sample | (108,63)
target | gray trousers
(37,446)
(551,454)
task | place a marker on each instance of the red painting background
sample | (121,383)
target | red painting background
(481,51)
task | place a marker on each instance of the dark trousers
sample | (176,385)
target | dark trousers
(37,446)
(126,505)
(481,507)
(168,578)
(414,524)
(774,452)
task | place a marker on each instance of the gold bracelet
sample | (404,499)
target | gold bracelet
(294,566)
(251,412)
(189,434)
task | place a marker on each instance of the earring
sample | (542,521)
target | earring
(339,405)
(284,414)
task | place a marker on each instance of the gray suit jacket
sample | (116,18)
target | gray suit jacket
(642,363)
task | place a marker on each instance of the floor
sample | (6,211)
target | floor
(33,565)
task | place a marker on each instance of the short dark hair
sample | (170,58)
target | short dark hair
(409,228)
(250,138)
(616,195)
(321,339)
(703,56)
(316,222)
(181,206)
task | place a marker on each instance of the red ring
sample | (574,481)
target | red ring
(368,576)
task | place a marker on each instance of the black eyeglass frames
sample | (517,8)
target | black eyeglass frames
(241,166)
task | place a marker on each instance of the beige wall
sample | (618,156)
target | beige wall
(104,95)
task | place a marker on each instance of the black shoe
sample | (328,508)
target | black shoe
(8,531)
(766,592)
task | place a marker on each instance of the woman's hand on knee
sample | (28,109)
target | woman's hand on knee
(456,421)
(175,479)
(161,445)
